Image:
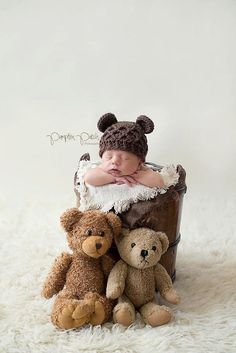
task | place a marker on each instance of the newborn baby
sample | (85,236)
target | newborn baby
(123,149)
(122,167)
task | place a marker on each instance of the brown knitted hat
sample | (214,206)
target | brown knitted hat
(125,135)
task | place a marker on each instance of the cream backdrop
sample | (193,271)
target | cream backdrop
(65,63)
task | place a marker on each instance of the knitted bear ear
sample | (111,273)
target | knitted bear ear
(146,124)
(105,121)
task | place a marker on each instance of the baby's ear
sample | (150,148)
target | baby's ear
(69,218)
(115,223)
(146,124)
(106,121)
(164,241)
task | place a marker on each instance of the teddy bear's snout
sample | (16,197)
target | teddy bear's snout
(95,246)
(144,253)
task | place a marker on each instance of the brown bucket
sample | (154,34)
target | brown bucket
(163,213)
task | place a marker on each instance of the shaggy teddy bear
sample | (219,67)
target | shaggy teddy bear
(135,278)
(80,278)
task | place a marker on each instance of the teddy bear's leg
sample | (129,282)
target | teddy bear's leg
(154,314)
(69,312)
(124,312)
(102,308)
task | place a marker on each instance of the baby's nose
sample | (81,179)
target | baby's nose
(115,160)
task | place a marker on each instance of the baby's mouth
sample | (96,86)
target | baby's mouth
(114,171)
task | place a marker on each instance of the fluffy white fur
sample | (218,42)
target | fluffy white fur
(205,321)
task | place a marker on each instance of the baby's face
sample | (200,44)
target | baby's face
(119,163)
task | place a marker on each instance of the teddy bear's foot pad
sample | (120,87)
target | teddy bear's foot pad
(74,315)
(161,315)
(124,317)
(98,316)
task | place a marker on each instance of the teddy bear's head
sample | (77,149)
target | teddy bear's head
(142,247)
(90,232)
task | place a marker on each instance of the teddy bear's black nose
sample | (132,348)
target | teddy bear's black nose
(98,246)
(144,253)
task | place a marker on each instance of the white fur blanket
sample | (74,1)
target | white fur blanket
(119,197)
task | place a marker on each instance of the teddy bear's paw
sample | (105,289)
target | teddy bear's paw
(124,315)
(161,315)
(99,314)
(73,316)
(114,291)
(172,296)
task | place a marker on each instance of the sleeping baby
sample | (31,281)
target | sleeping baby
(123,149)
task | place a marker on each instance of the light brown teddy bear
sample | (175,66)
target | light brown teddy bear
(137,275)
(80,278)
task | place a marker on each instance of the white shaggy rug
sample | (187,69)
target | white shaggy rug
(205,321)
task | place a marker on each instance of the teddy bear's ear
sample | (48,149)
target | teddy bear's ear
(123,233)
(164,241)
(105,121)
(69,218)
(115,222)
(146,124)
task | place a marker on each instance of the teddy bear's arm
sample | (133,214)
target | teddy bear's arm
(116,280)
(57,276)
(162,279)
(164,285)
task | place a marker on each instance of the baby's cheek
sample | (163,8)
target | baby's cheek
(133,167)
(104,166)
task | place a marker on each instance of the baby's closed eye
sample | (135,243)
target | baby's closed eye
(107,157)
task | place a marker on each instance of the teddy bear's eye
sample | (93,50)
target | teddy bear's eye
(88,232)
(101,233)
(132,245)
(154,248)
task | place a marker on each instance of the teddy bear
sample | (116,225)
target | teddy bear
(80,278)
(135,278)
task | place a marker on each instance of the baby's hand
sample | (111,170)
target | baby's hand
(128,180)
